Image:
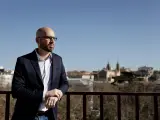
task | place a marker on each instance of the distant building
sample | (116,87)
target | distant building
(112,73)
(145,68)
(144,71)
(87,75)
(107,74)
(2,69)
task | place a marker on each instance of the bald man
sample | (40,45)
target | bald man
(39,80)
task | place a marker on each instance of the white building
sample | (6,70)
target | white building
(87,75)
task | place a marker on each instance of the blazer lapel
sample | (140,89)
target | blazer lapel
(54,65)
(35,64)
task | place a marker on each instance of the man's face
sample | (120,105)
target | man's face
(47,41)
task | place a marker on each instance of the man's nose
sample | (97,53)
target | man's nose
(51,42)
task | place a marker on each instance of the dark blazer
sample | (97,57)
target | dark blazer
(27,86)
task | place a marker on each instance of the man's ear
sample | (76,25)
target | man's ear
(37,41)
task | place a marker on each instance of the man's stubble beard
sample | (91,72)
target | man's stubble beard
(45,48)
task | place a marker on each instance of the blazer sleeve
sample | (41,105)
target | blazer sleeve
(64,85)
(19,89)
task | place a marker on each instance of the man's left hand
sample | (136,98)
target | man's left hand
(54,93)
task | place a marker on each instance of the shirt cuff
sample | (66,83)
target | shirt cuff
(44,93)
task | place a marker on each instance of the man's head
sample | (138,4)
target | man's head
(45,38)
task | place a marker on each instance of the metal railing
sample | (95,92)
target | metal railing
(7,107)
(118,94)
(101,94)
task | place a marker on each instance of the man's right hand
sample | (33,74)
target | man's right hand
(54,93)
(50,102)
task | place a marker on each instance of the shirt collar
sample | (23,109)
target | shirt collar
(39,57)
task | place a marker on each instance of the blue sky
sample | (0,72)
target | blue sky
(90,32)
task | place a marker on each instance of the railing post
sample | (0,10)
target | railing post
(84,107)
(68,106)
(101,107)
(155,108)
(119,107)
(7,106)
(137,107)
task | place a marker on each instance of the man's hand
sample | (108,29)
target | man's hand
(50,102)
(54,93)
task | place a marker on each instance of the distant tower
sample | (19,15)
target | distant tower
(117,69)
(108,69)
